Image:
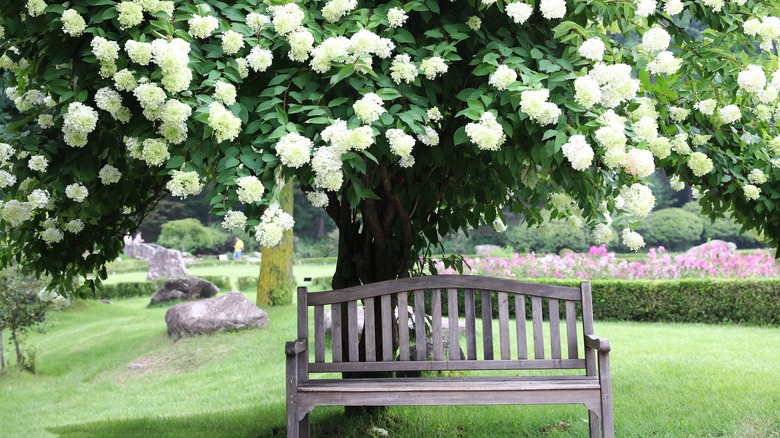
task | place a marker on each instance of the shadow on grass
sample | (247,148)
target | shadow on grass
(266,421)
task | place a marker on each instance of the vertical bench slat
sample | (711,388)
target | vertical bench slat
(503,325)
(419,324)
(555,329)
(436,324)
(403,326)
(571,328)
(452,311)
(319,334)
(353,331)
(522,338)
(335,321)
(536,309)
(471,330)
(369,329)
(387,328)
(487,325)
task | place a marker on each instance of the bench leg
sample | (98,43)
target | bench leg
(595,424)
(304,427)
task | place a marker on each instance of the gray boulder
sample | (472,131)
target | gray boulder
(328,320)
(166,263)
(185,288)
(232,311)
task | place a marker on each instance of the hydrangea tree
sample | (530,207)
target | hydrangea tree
(404,120)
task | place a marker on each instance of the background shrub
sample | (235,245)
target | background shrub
(673,228)
(127,290)
(247,283)
(724,228)
(552,238)
(189,235)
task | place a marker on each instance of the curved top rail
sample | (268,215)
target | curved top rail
(476,282)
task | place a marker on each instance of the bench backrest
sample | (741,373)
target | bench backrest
(454,297)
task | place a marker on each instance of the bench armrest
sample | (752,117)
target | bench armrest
(595,342)
(297,346)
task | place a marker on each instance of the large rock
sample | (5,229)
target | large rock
(185,288)
(328,320)
(232,311)
(166,263)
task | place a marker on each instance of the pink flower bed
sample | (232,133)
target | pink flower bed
(711,260)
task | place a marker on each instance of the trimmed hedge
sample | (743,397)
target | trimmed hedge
(126,290)
(220,281)
(247,283)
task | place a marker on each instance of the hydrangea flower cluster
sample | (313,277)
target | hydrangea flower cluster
(109,175)
(369,108)
(294,150)
(202,27)
(638,199)
(183,184)
(535,104)
(273,224)
(79,121)
(73,24)
(250,189)
(234,220)
(76,192)
(578,152)
(488,134)
(401,144)
(226,126)
(503,77)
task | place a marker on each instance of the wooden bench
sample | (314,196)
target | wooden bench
(589,384)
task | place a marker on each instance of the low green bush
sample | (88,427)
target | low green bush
(247,283)
(220,281)
(126,290)
(191,236)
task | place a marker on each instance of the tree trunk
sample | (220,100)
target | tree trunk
(276,283)
(2,356)
(20,362)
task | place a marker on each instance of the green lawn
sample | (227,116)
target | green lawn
(111,370)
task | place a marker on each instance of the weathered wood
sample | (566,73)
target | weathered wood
(503,325)
(352,335)
(473,282)
(419,325)
(369,329)
(571,329)
(555,329)
(303,332)
(587,327)
(387,329)
(487,325)
(436,333)
(452,311)
(403,327)
(335,331)
(471,329)
(448,365)
(522,337)
(319,334)
(536,309)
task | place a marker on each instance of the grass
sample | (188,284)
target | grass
(111,370)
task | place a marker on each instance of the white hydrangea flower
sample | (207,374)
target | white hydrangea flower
(318,199)
(38,198)
(700,140)
(645,8)
(680,144)
(286,18)
(534,103)
(632,239)
(259,59)
(369,108)
(38,163)
(225,92)
(474,22)
(105,50)
(768,95)
(234,220)
(242,67)
(433,114)
(402,69)
(553,8)
(645,129)
(124,80)
(401,143)
(752,26)
(75,226)
(327,164)
(616,83)
(716,5)
(706,107)
(6,179)
(673,7)
(488,134)
(639,162)
(232,42)
(432,67)
(730,114)
(664,63)
(250,189)
(109,174)
(183,184)
(396,17)
(294,150)
(73,24)
(226,126)
(150,95)
(323,55)
(366,42)
(678,114)
(273,224)
(6,152)
(202,27)
(615,157)
(257,22)
(700,164)
(578,152)
(638,199)
(52,235)
(751,192)
(586,91)
(602,233)
(130,14)
(519,12)
(335,9)
(592,49)
(301,42)
(357,139)
(430,138)
(78,122)
(35,7)
(646,108)
(155,152)
(757,176)
(676,184)
(45,121)
(15,212)
(503,77)
(752,79)
(661,147)
(77,192)
(656,39)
